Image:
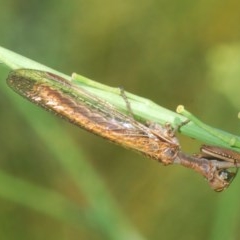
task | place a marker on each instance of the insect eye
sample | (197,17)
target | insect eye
(226,175)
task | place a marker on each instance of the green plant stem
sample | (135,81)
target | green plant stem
(143,109)
(229,139)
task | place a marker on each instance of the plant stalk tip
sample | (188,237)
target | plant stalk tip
(180,109)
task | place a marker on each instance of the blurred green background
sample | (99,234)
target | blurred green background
(172,52)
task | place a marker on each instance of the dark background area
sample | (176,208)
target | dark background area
(172,52)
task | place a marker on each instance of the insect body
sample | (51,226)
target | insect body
(87,111)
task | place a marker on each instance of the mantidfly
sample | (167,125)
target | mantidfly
(95,115)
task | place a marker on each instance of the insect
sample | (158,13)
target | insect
(222,174)
(91,113)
